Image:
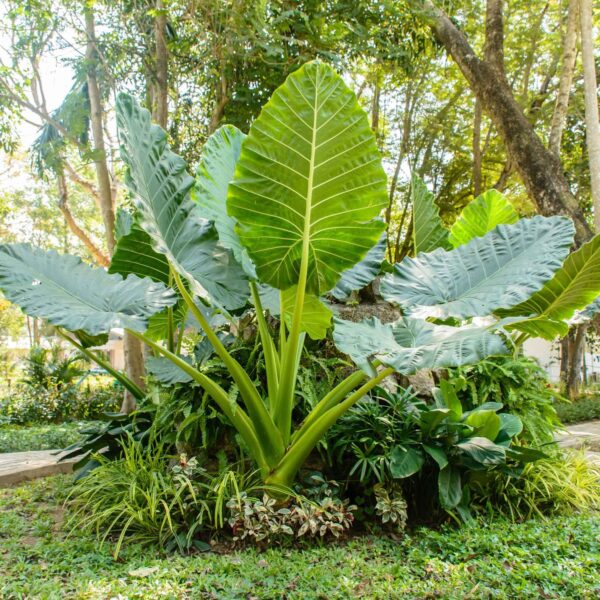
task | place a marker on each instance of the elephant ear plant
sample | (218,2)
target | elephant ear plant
(282,218)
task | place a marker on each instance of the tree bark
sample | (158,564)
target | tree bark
(63,204)
(592,120)
(559,116)
(477,149)
(576,350)
(102,173)
(539,169)
(160,97)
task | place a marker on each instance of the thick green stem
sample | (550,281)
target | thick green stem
(294,458)
(239,419)
(270,352)
(129,385)
(271,439)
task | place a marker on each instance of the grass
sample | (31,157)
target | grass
(16,438)
(586,408)
(558,558)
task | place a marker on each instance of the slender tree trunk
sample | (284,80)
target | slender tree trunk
(576,349)
(102,173)
(539,169)
(477,149)
(592,120)
(161,95)
(559,116)
(63,205)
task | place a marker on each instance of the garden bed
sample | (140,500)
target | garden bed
(550,559)
(17,438)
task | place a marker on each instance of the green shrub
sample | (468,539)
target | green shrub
(56,404)
(16,438)
(586,408)
(564,483)
(518,383)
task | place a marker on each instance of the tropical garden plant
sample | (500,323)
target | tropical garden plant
(281,219)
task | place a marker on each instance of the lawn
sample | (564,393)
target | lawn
(559,557)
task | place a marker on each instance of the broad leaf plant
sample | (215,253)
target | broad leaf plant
(281,220)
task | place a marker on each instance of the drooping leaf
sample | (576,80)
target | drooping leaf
(483,451)
(574,286)
(451,399)
(496,271)
(437,454)
(428,231)
(405,462)
(510,425)
(70,294)
(412,344)
(449,487)
(309,181)
(135,255)
(362,273)
(160,186)
(167,372)
(486,424)
(482,215)
(217,166)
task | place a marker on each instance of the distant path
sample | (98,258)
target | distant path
(583,435)
(16,467)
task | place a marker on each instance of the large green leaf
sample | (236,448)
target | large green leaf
(135,255)
(160,186)
(70,294)
(166,371)
(574,286)
(428,231)
(449,487)
(482,215)
(405,462)
(485,423)
(309,181)
(362,273)
(219,157)
(483,451)
(498,270)
(412,344)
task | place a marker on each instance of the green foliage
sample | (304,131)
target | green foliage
(481,216)
(390,507)
(18,438)
(585,408)
(520,384)
(140,496)
(428,231)
(561,484)
(556,557)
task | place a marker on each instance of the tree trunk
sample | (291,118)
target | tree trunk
(63,205)
(477,149)
(539,169)
(559,117)
(576,349)
(102,173)
(592,120)
(160,97)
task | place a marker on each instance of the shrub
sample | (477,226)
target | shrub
(16,438)
(585,408)
(561,484)
(520,384)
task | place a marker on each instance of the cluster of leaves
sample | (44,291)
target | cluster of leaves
(263,522)
(517,382)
